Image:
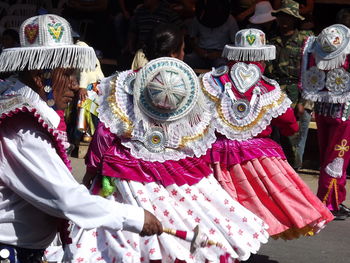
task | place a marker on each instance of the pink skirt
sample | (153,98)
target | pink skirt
(271,189)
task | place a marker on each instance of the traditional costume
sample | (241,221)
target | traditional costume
(326,81)
(154,125)
(36,185)
(249,165)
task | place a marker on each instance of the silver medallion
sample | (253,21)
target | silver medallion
(47,88)
(241,108)
(218,72)
(51,103)
(155,140)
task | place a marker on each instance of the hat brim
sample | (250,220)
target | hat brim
(267,52)
(49,57)
(154,68)
(261,19)
(288,12)
(331,55)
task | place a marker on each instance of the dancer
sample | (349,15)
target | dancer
(248,164)
(154,125)
(36,186)
(326,81)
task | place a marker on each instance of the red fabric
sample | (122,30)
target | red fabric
(286,123)
(181,234)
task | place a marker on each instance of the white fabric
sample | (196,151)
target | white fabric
(178,207)
(36,186)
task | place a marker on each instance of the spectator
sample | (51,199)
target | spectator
(343,17)
(263,20)
(286,70)
(306,8)
(165,40)
(146,17)
(10,38)
(211,29)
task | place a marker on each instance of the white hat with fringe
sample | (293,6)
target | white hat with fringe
(331,47)
(46,43)
(250,45)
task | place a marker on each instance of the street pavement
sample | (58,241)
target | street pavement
(331,245)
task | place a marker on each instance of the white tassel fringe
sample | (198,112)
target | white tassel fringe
(19,59)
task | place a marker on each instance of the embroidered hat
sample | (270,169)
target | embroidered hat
(262,13)
(46,43)
(331,46)
(250,45)
(290,7)
(166,89)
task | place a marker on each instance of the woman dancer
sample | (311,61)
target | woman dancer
(249,165)
(153,125)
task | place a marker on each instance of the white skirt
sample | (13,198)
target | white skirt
(179,207)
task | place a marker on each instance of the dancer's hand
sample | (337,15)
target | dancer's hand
(83,94)
(151,225)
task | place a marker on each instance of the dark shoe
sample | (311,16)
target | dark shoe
(339,215)
(344,209)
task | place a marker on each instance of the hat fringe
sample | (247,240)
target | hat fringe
(252,54)
(18,59)
(333,63)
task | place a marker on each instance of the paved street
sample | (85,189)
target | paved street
(331,245)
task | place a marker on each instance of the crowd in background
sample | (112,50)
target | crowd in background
(117,29)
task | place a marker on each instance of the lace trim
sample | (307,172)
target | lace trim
(266,107)
(189,136)
(38,114)
(315,94)
(335,168)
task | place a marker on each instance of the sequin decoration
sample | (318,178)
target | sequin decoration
(218,72)
(155,140)
(56,31)
(31,32)
(338,80)
(314,79)
(241,108)
(245,76)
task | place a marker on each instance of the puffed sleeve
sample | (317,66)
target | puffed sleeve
(286,123)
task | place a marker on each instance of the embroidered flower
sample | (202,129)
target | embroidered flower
(338,80)
(314,79)
(342,148)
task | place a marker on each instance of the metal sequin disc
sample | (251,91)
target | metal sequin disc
(155,140)
(241,108)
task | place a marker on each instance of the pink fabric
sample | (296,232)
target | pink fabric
(57,142)
(107,156)
(229,152)
(332,132)
(62,125)
(270,188)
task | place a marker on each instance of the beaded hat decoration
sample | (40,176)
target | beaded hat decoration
(250,45)
(331,46)
(46,43)
(166,89)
